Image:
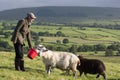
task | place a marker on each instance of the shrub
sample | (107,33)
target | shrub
(73,48)
(118,52)
(100,47)
(109,52)
(65,41)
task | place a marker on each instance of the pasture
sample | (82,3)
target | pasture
(35,69)
(89,36)
(78,36)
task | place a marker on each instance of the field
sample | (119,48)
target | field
(74,34)
(35,69)
(75,31)
(90,34)
(78,36)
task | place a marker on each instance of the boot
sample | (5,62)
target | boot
(22,65)
(17,64)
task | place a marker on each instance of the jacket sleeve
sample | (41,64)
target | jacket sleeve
(29,39)
(16,31)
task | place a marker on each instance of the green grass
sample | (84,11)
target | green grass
(92,35)
(35,69)
(75,35)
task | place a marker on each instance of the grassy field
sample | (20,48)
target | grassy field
(78,36)
(35,69)
(75,35)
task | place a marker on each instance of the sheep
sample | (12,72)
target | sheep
(91,66)
(61,60)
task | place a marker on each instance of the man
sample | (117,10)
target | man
(21,31)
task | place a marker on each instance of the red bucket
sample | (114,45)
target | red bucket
(32,53)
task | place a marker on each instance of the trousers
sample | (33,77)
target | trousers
(19,51)
(19,61)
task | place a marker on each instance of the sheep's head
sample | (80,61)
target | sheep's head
(40,48)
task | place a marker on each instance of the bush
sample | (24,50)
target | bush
(62,48)
(4,46)
(65,41)
(100,47)
(118,52)
(73,48)
(109,52)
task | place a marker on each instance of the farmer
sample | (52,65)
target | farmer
(21,31)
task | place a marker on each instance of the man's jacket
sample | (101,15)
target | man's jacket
(21,31)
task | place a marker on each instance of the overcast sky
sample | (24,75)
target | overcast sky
(12,4)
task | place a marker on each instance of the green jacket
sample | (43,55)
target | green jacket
(21,31)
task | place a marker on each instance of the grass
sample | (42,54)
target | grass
(75,35)
(90,35)
(35,69)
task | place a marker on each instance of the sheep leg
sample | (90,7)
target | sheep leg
(97,76)
(68,72)
(104,76)
(48,69)
(74,73)
(85,74)
(51,70)
(81,73)
(74,69)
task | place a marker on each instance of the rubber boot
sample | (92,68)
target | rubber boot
(17,64)
(22,65)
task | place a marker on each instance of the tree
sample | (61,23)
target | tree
(85,48)
(118,52)
(59,33)
(113,47)
(5,24)
(109,52)
(100,47)
(65,41)
(58,41)
(46,33)
(42,40)
(60,28)
(37,42)
(36,38)
(73,48)
(4,45)
(7,34)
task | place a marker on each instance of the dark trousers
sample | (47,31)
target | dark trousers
(19,53)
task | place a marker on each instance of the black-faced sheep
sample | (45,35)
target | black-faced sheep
(61,60)
(91,66)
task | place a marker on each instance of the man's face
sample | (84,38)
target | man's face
(31,19)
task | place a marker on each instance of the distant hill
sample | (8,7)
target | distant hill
(61,14)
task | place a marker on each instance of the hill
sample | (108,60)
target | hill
(62,14)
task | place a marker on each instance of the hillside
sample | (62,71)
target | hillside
(62,14)
(35,69)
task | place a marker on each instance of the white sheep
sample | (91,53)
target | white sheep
(61,60)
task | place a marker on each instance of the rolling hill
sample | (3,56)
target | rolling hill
(63,13)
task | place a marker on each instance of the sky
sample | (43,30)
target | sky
(12,4)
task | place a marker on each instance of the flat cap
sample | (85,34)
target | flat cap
(31,15)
